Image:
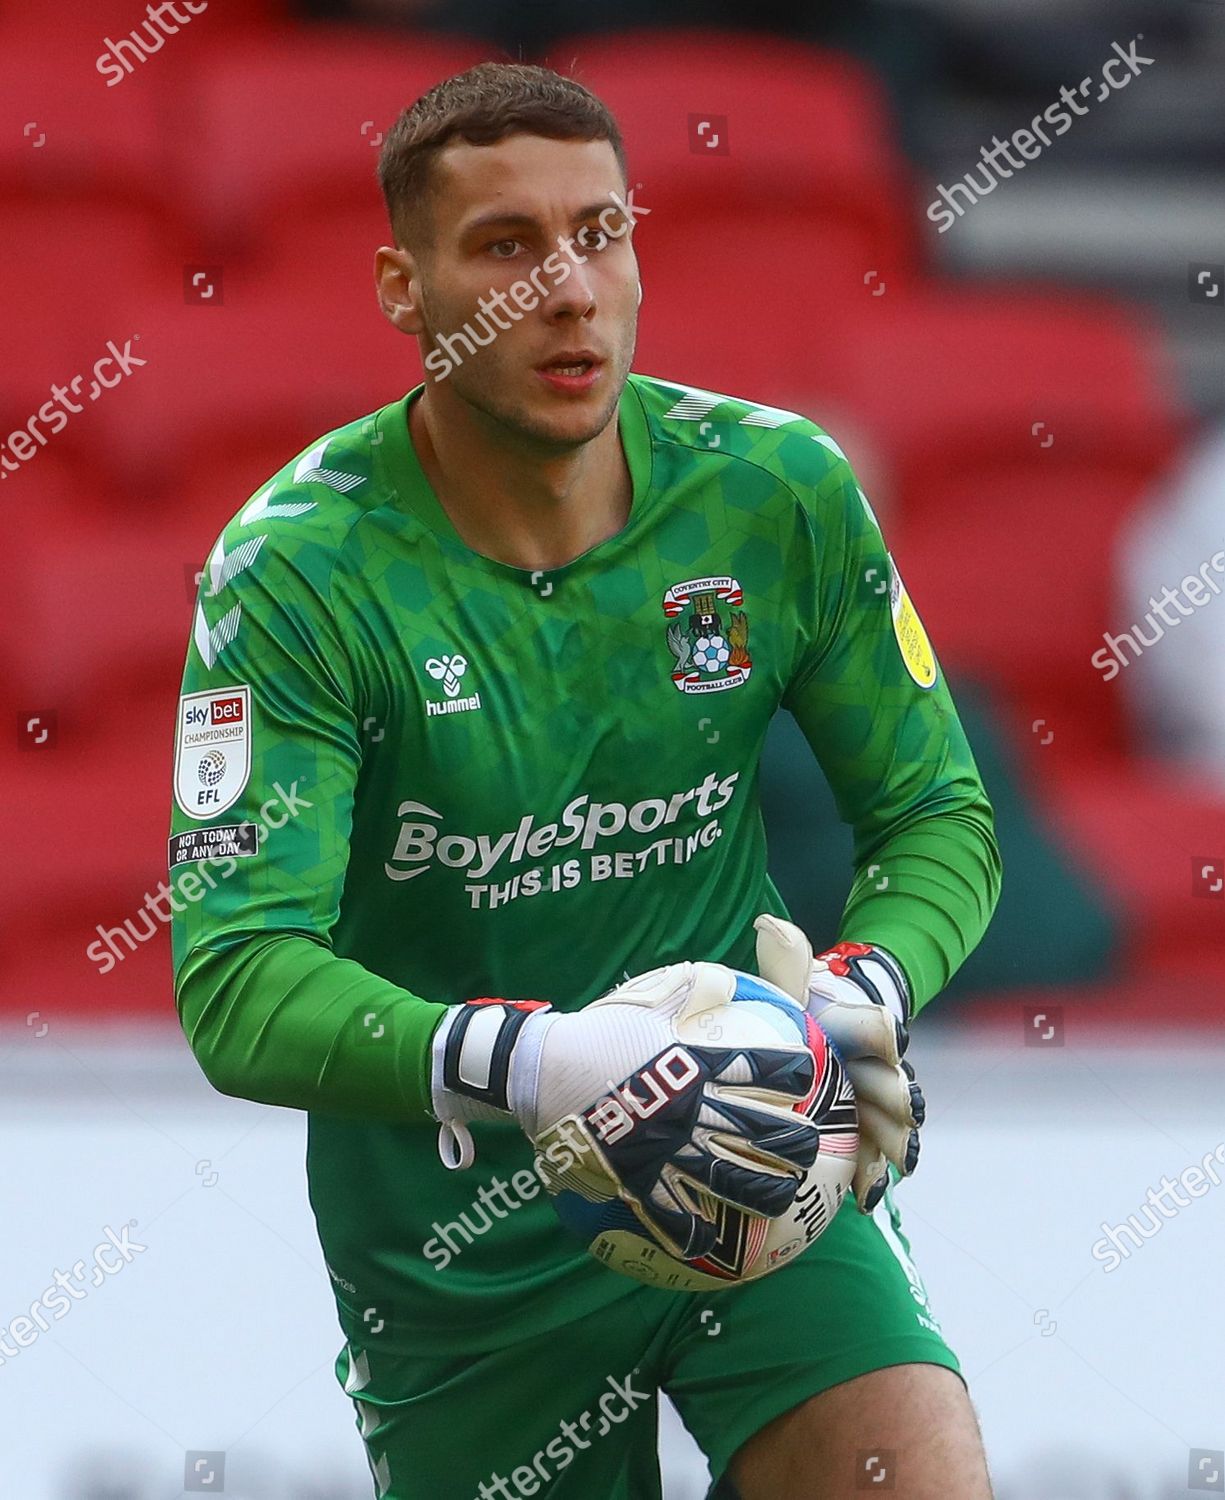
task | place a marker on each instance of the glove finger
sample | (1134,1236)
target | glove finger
(890,1135)
(784,955)
(871,1178)
(683,1232)
(860,1030)
(775,1075)
(877,1191)
(783,1138)
(667,988)
(744,1182)
(678,1208)
(918,1105)
(689,1233)
(875,1082)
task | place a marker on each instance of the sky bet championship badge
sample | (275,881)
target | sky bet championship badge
(212,759)
(708,636)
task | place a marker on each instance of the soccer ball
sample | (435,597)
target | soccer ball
(588,1201)
(711,653)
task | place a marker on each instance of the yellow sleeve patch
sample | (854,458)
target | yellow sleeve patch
(912,639)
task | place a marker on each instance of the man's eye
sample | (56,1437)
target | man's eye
(591,238)
(507,246)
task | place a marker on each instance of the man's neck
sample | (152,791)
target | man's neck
(515,507)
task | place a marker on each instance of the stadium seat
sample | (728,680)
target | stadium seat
(1149,830)
(278,355)
(80,277)
(75,18)
(1011,569)
(104,601)
(949,373)
(840,175)
(759,316)
(104,594)
(1180,992)
(286,131)
(63,131)
(1020,429)
(91,828)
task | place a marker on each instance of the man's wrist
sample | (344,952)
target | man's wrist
(472,1053)
(874,971)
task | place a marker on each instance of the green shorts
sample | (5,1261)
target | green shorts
(572,1414)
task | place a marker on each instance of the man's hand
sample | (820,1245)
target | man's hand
(860,996)
(722,1119)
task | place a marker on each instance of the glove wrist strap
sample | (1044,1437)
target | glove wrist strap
(877,973)
(475,1050)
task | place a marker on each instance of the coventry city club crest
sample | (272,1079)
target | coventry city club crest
(708,636)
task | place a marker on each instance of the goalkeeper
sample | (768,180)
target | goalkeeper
(512,644)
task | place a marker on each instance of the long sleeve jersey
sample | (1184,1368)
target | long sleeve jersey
(407,775)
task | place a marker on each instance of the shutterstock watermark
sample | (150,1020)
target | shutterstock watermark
(501,1200)
(110,1256)
(1026,140)
(212,859)
(24,442)
(559,1452)
(615,220)
(1197,588)
(146,39)
(1157,1210)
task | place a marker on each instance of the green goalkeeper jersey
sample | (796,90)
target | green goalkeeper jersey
(407,775)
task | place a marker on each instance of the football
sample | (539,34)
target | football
(757,1018)
(711,653)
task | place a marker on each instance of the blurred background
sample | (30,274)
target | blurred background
(985,248)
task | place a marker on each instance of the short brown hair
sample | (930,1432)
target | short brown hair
(481,106)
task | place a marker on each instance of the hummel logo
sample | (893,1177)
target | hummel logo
(448,670)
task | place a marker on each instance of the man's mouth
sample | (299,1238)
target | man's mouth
(574,371)
(570,363)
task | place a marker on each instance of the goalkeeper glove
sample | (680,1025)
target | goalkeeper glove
(722,1119)
(859,995)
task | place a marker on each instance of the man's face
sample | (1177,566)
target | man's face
(502,216)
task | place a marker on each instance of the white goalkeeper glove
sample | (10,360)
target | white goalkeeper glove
(860,996)
(671,1122)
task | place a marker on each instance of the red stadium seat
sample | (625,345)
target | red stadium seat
(81,18)
(63,131)
(758,316)
(287,130)
(103,594)
(1021,430)
(1183,991)
(89,838)
(815,144)
(1147,829)
(281,355)
(953,374)
(1012,571)
(71,289)
(105,616)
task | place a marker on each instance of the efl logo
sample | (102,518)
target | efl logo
(668,1076)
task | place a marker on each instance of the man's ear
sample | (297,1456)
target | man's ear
(398,285)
